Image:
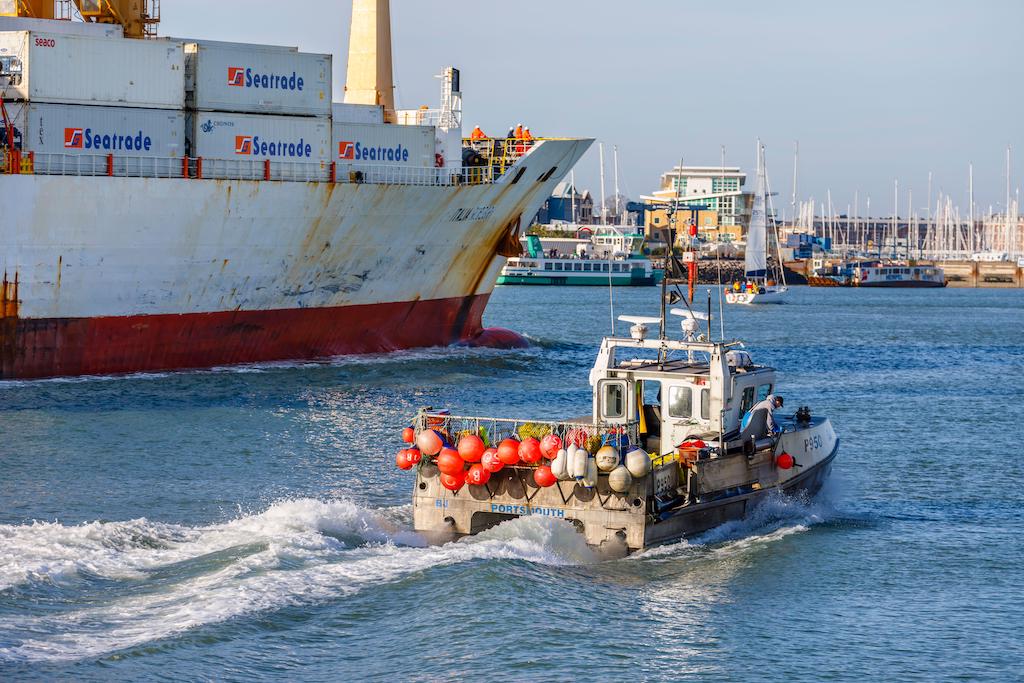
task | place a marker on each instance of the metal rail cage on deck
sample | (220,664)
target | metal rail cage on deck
(493,430)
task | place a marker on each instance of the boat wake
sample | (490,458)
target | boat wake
(114,586)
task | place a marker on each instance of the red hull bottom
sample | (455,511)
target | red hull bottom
(34,348)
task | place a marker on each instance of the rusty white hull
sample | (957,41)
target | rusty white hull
(107,274)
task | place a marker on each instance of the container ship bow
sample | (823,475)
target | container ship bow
(174,203)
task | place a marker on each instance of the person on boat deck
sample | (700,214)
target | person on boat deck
(477,134)
(770,403)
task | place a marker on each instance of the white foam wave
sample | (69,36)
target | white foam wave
(775,517)
(296,552)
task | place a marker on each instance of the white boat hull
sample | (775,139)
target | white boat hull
(771,295)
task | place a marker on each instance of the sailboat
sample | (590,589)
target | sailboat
(760,285)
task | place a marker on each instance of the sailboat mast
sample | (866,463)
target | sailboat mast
(615,161)
(604,208)
(572,195)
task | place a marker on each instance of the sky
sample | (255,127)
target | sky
(873,91)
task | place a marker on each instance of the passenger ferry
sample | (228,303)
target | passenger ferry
(895,275)
(611,256)
(878,274)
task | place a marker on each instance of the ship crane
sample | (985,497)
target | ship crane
(138,17)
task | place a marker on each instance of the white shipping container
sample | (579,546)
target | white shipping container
(69,69)
(342,112)
(122,131)
(220,135)
(76,28)
(387,144)
(257,79)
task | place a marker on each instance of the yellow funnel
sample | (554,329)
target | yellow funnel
(369,79)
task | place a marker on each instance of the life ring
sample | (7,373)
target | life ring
(439,160)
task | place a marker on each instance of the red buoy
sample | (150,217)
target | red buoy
(785,461)
(414,455)
(453,482)
(471,448)
(490,460)
(402,460)
(477,475)
(508,451)
(449,461)
(429,442)
(529,451)
(550,445)
(544,477)
(699,444)
(408,435)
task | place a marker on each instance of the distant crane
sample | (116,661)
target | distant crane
(138,17)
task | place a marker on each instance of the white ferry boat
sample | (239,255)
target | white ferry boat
(612,255)
(896,275)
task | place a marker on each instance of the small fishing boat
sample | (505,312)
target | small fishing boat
(761,285)
(678,441)
(612,255)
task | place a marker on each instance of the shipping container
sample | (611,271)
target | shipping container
(388,145)
(68,69)
(75,28)
(221,135)
(46,128)
(257,79)
(342,112)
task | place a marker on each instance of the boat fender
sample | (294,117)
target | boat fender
(439,160)
(560,466)
(619,480)
(784,461)
(607,458)
(578,462)
(589,479)
(638,462)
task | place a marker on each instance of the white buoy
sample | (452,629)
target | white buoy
(619,480)
(638,462)
(590,477)
(607,458)
(560,465)
(578,462)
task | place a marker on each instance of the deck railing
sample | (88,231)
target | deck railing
(494,429)
(247,169)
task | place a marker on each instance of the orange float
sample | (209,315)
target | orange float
(402,460)
(409,435)
(471,448)
(449,461)
(414,456)
(550,445)
(544,477)
(490,460)
(429,442)
(453,482)
(529,451)
(477,475)
(785,461)
(508,451)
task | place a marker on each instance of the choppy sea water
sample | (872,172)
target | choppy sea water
(249,523)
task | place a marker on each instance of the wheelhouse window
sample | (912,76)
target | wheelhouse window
(705,404)
(614,400)
(558,266)
(680,402)
(547,266)
(747,400)
(763,391)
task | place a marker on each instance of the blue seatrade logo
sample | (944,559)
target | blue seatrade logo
(77,138)
(357,151)
(240,77)
(254,145)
